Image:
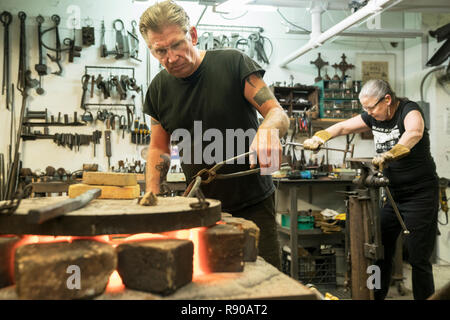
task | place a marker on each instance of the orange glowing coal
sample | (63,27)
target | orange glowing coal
(115,283)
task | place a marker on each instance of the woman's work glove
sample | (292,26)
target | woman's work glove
(317,140)
(397,152)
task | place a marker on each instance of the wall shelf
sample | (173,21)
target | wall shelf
(339,99)
(298,98)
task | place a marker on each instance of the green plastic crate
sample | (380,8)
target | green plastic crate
(304,222)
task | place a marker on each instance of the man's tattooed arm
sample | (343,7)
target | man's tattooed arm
(158,159)
(163,168)
(262,98)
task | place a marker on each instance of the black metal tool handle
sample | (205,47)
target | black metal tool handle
(41,215)
(397,212)
(84,80)
(108,146)
(41,68)
(108,143)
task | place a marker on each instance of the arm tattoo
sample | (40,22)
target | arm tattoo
(264,94)
(249,82)
(163,168)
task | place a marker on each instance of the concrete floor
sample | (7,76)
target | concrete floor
(441,275)
(441,278)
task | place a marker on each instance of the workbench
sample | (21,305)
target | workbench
(292,236)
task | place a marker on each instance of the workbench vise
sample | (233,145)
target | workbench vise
(369,176)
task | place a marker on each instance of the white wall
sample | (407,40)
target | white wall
(63,93)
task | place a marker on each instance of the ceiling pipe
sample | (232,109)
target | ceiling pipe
(384,33)
(316,20)
(373,7)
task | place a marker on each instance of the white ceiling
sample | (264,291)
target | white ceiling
(406,5)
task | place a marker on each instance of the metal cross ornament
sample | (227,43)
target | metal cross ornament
(319,63)
(343,66)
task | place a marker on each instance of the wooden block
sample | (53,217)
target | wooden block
(108,192)
(6,255)
(225,248)
(109,178)
(63,270)
(158,265)
(251,236)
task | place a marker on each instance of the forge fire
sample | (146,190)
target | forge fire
(74,267)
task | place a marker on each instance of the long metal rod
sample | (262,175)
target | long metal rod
(324,148)
(397,212)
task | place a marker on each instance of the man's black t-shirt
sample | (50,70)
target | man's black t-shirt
(416,169)
(210,105)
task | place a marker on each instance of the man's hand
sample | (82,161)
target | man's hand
(316,141)
(267,151)
(397,152)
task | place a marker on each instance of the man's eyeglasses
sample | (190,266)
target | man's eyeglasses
(373,107)
(162,52)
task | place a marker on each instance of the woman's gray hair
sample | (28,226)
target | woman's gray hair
(163,14)
(377,88)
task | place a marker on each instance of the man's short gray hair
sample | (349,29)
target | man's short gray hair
(163,14)
(376,88)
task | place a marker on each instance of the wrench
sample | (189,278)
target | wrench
(6,19)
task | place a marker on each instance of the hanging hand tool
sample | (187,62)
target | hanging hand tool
(56,20)
(13,129)
(103,49)
(120,50)
(74,50)
(130,118)
(87,116)
(134,42)
(6,18)
(96,136)
(40,68)
(108,147)
(40,215)
(131,84)
(122,125)
(141,133)
(102,86)
(120,89)
(134,134)
(84,80)
(112,121)
(88,35)
(92,85)
(24,75)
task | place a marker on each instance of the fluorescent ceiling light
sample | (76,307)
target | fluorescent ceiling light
(232,5)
